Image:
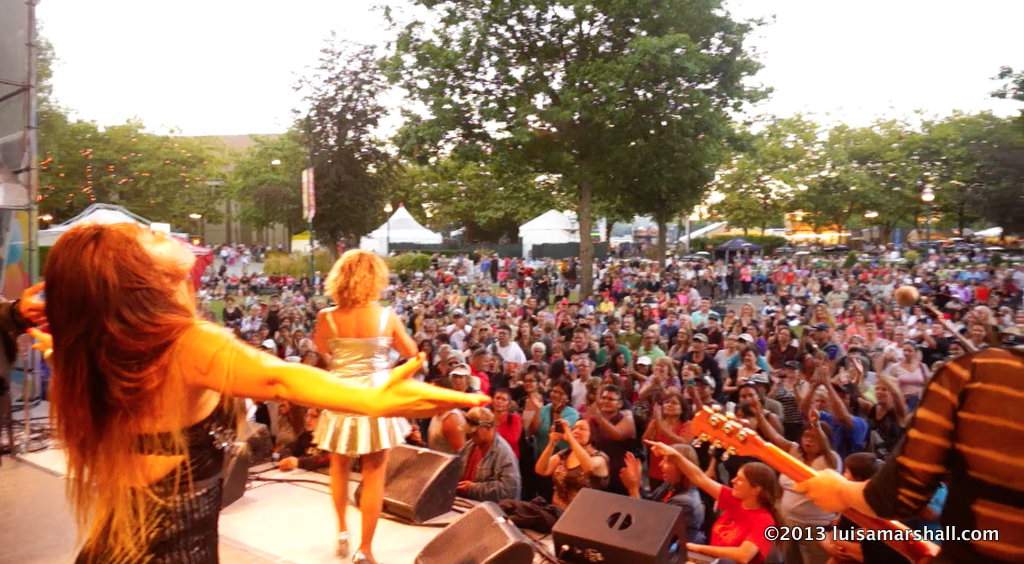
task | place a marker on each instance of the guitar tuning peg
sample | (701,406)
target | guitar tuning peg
(697,442)
(717,444)
(716,408)
(730,451)
(704,437)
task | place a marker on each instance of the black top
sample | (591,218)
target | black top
(206,441)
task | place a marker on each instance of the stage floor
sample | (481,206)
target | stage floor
(274,522)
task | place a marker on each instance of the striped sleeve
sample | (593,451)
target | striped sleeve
(909,478)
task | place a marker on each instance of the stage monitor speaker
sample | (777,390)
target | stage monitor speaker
(420,483)
(604,527)
(481,536)
(236,472)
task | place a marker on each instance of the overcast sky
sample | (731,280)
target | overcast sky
(228,66)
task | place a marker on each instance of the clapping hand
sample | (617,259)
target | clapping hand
(31,307)
(631,474)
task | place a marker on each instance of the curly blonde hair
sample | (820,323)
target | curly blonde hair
(356,279)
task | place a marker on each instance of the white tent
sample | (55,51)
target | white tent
(550,227)
(401,227)
(96,213)
(990,233)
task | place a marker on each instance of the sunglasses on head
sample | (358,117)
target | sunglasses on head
(472,422)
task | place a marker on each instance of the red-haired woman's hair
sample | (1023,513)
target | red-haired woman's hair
(356,279)
(115,311)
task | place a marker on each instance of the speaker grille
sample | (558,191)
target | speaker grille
(420,483)
(482,536)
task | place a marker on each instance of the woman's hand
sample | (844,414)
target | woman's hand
(632,473)
(44,342)
(555,434)
(404,397)
(662,449)
(31,307)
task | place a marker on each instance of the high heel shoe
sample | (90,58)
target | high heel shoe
(361,558)
(342,549)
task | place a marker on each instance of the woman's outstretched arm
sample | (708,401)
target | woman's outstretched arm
(209,357)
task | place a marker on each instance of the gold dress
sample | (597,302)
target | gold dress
(363,362)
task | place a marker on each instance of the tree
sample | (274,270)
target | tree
(573,89)
(490,204)
(1012,86)
(162,178)
(267,182)
(758,183)
(343,108)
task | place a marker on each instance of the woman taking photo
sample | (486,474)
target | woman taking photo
(748,508)
(138,393)
(574,468)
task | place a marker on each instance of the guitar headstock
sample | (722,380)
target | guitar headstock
(725,431)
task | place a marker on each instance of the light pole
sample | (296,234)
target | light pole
(196,217)
(928,196)
(387,211)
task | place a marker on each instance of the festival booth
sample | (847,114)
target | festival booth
(107,214)
(550,227)
(736,246)
(401,227)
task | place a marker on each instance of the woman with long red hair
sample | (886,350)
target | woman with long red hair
(140,387)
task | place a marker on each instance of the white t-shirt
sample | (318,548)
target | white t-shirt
(511,353)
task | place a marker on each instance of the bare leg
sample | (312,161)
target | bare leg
(374,466)
(340,466)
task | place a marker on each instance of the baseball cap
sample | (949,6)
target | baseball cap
(747,337)
(714,315)
(794,364)
(460,369)
(700,337)
(706,380)
(820,327)
(644,360)
(269,344)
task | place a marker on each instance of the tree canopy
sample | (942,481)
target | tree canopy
(588,92)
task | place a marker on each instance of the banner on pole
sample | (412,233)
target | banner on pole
(308,195)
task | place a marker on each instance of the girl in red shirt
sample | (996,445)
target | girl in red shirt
(748,508)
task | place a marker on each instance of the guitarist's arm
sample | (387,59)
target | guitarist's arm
(693,473)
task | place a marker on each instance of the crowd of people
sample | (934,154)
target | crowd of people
(599,392)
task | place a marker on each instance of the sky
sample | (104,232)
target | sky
(224,67)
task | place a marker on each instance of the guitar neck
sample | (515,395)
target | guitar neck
(917,551)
